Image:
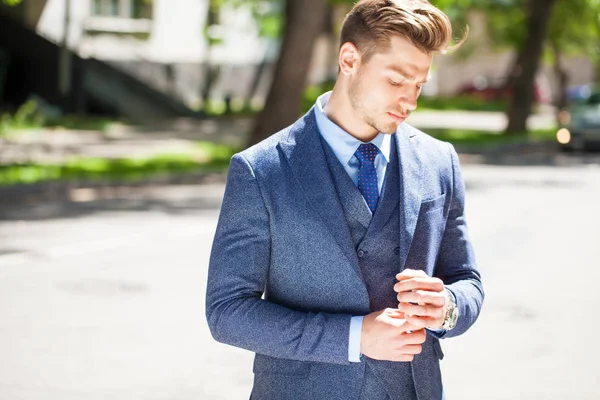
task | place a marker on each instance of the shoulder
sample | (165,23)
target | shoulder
(264,150)
(266,154)
(429,147)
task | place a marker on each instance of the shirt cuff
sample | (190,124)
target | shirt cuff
(354,342)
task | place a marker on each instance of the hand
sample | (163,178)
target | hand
(386,335)
(422,298)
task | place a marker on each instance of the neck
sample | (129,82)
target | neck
(339,110)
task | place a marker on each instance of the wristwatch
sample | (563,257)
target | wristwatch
(451,315)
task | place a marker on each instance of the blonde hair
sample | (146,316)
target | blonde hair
(371,23)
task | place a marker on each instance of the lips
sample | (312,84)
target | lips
(399,117)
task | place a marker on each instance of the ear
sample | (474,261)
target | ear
(349,59)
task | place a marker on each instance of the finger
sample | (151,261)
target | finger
(410,349)
(397,314)
(420,283)
(417,336)
(425,322)
(426,310)
(397,320)
(409,327)
(393,313)
(403,358)
(422,297)
(416,323)
(410,273)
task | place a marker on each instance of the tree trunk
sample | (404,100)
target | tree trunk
(304,23)
(561,76)
(529,58)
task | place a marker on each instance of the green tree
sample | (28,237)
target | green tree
(528,61)
(574,30)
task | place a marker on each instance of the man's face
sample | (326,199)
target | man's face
(385,89)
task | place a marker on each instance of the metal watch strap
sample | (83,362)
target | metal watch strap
(451,315)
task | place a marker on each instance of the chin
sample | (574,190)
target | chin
(389,129)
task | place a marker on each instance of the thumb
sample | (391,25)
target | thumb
(396,314)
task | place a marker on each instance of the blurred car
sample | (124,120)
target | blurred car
(580,124)
(578,93)
(496,88)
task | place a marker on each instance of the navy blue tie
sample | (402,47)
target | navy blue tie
(367,174)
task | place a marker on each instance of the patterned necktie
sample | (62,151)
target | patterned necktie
(367,174)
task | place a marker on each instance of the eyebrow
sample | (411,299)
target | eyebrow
(406,74)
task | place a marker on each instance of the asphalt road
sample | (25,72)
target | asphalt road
(105,299)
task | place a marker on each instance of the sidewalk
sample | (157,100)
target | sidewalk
(122,141)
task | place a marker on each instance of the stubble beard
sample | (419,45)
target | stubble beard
(368,116)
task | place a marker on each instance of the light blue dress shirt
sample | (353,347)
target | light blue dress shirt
(344,146)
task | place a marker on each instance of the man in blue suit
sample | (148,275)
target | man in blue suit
(341,255)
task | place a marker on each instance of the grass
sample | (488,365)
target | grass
(460,103)
(482,139)
(212,158)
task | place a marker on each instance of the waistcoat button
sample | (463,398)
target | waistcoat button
(397,250)
(361,253)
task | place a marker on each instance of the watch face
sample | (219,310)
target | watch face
(453,317)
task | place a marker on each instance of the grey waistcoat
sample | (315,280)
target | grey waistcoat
(376,239)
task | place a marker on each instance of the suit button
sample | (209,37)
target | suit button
(397,250)
(361,253)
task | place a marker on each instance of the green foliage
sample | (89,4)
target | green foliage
(268,14)
(237,107)
(463,103)
(26,117)
(12,2)
(312,92)
(575,27)
(98,169)
(507,21)
(217,154)
(469,139)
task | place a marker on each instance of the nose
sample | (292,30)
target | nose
(408,100)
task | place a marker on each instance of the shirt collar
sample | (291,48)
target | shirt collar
(341,142)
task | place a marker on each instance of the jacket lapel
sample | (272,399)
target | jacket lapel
(304,153)
(410,190)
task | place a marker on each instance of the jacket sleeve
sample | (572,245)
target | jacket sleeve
(238,272)
(456,264)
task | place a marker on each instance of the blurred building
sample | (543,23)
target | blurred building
(160,43)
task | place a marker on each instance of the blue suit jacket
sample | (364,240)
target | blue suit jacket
(284,277)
